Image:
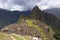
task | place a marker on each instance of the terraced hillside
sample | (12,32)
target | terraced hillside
(4,36)
(29,27)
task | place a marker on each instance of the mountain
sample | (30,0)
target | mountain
(35,25)
(29,25)
(56,20)
(54,11)
(49,19)
(45,17)
(9,17)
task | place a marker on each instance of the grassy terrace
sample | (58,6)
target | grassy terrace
(26,38)
(4,36)
(30,23)
(17,38)
(20,37)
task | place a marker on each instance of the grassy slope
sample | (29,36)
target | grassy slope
(20,37)
(17,38)
(4,36)
(31,24)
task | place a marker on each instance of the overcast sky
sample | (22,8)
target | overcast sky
(24,5)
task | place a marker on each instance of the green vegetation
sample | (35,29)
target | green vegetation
(17,38)
(26,38)
(20,37)
(4,36)
(19,22)
(57,36)
(30,23)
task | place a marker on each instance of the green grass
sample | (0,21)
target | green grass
(4,36)
(30,23)
(27,38)
(16,37)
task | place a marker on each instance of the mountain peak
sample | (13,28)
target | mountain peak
(36,8)
(36,12)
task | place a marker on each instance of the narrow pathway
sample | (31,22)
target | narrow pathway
(18,36)
(13,38)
